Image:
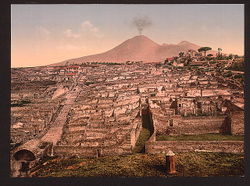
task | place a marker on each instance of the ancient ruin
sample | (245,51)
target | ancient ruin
(97,109)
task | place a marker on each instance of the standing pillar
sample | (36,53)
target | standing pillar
(170,162)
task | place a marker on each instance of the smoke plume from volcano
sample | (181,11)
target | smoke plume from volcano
(141,23)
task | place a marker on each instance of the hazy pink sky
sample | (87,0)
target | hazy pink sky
(45,34)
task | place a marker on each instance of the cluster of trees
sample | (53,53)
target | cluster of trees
(106,63)
(238,66)
(204,49)
(202,55)
(230,56)
(100,63)
(219,54)
(229,74)
(238,77)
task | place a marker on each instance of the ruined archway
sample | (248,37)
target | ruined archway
(22,162)
(24,155)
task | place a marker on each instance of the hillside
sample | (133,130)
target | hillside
(138,48)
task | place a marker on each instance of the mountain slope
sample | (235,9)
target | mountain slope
(138,48)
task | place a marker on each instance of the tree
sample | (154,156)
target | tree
(181,54)
(204,49)
(219,51)
(230,56)
(219,54)
(166,61)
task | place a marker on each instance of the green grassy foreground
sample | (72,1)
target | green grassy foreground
(144,165)
(200,137)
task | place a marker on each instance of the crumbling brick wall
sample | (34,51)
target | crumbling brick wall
(237,123)
(177,125)
(200,125)
(68,150)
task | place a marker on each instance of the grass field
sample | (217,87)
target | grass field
(196,164)
(138,164)
(201,137)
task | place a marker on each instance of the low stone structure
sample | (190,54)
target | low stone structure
(154,147)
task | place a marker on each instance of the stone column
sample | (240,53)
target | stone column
(170,162)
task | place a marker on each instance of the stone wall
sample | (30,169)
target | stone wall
(154,147)
(237,123)
(71,151)
(67,150)
(201,125)
(177,125)
(120,150)
(135,132)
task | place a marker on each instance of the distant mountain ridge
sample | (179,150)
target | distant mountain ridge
(138,48)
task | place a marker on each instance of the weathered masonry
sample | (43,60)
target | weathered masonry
(97,110)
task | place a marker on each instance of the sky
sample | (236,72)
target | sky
(46,34)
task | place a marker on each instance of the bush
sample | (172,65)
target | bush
(20,103)
(237,66)
(88,83)
(238,76)
(228,74)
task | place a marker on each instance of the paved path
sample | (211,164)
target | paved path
(54,134)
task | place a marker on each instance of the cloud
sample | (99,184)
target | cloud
(88,27)
(43,31)
(70,34)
